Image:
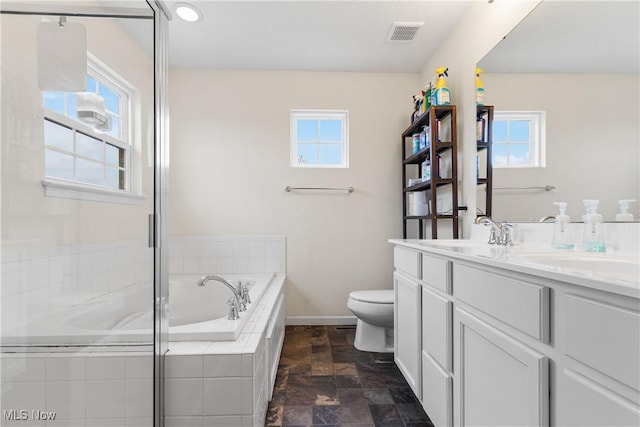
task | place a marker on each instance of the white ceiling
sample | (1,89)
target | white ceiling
(315,35)
(572,36)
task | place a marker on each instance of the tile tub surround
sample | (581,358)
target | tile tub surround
(40,282)
(324,380)
(84,388)
(222,383)
(227,254)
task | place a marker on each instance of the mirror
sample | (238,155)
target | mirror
(578,62)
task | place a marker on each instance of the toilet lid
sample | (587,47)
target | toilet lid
(377,297)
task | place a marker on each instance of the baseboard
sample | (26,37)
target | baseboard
(321,320)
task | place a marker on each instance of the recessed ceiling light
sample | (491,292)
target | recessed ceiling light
(188,12)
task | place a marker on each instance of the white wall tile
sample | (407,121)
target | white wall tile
(191,265)
(183,422)
(247,396)
(106,422)
(61,366)
(222,365)
(35,305)
(257,248)
(67,399)
(208,265)
(175,266)
(139,366)
(256,265)
(139,397)
(139,422)
(11,278)
(62,422)
(35,274)
(183,396)
(106,367)
(105,398)
(208,249)
(223,420)
(184,366)
(191,249)
(23,368)
(240,264)
(225,249)
(24,395)
(224,265)
(221,396)
(11,310)
(176,248)
(240,248)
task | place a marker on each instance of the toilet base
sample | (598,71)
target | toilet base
(378,339)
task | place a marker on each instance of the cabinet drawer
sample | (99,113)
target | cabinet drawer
(519,304)
(436,272)
(437,313)
(407,261)
(604,337)
(437,392)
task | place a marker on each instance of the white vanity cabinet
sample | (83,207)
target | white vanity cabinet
(407,309)
(504,346)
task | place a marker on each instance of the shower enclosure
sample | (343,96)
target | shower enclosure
(83,187)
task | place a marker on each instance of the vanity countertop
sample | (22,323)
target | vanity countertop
(618,273)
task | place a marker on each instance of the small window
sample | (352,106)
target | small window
(86,134)
(518,139)
(319,139)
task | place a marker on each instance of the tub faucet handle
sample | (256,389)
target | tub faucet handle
(244,292)
(233,309)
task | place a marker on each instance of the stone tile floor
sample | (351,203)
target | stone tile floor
(324,381)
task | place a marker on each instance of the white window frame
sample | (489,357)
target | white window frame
(71,189)
(537,136)
(342,115)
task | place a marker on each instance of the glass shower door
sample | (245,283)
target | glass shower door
(77,189)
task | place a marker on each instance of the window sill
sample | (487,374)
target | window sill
(72,190)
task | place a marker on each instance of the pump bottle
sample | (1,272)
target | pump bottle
(624,214)
(593,233)
(562,238)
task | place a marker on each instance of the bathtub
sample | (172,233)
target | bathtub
(124,318)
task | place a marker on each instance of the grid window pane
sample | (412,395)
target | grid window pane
(113,177)
(330,154)
(499,154)
(89,172)
(111,99)
(114,123)
(519,154)
(58,136)
(331,130)
(91,84)
(307,154)
(54,101)
(519,131)
(500,131)
(72,109)
(89,147)
(307,130)
(112,155)
(58,165)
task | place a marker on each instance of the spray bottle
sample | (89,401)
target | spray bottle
(479,88)
(562,238)
(624,214)
(442,93)
(593,233)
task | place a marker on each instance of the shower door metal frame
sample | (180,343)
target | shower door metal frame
(160,14)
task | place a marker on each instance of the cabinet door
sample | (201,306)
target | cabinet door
(499,381)
(436,327)
(407,333)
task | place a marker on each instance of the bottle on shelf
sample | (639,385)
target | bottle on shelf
(593,232)
(624,214)
(562,238)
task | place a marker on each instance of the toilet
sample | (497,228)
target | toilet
(374,310)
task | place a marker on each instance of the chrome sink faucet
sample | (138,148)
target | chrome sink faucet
(234,306)
(500,231)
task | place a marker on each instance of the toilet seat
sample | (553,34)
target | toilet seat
(373,297)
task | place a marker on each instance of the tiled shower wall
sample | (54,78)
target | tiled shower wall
(39,282)
(227,254)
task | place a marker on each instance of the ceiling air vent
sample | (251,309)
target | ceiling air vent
(403,31)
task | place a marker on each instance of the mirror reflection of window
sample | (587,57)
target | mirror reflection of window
(518,139)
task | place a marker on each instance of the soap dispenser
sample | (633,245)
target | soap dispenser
(562,238)
(593,233)
(624,214)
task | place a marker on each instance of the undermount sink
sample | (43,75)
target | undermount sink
(618,265)
(459,243)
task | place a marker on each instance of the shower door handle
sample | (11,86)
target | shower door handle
(152,230)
